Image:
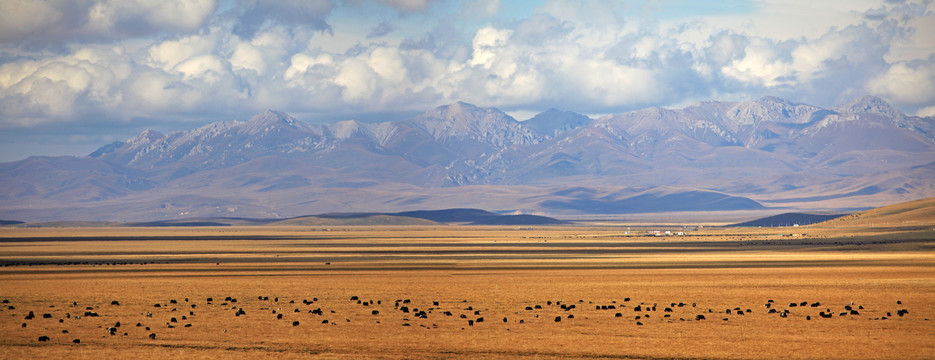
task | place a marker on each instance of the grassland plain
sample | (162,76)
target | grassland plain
(468,292)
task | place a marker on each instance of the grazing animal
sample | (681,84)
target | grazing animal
(558,319)
(76,341)
(44,338)
(699,317)
(470,322)
(115,302)
(295,323)
(618,315)
(152,336)
(375,312)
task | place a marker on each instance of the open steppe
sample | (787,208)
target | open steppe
(421,292)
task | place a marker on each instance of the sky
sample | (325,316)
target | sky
(79,74)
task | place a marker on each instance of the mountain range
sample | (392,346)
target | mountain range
(768,153)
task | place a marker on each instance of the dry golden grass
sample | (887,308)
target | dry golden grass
(918,213)
(497,271)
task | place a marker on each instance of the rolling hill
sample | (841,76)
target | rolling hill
(918,213)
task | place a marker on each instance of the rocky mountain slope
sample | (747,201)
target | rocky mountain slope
(767,153)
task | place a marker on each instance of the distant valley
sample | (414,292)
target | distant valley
(712,156)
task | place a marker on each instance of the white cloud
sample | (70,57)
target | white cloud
(247,56)
(926,111)
(905,83)
(486,43)
(301,63)
(113,15)
(21,17)
(39,22)
(209,68)
(588,56)
(168,54)
(408,5)
(53,88)
(760,66)
(358,79)
(388,63)
(794,19)
(157,92)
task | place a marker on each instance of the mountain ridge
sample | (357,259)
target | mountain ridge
(749,154)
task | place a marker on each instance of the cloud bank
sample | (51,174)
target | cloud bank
(99,63)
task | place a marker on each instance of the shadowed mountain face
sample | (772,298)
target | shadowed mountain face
(708,156)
